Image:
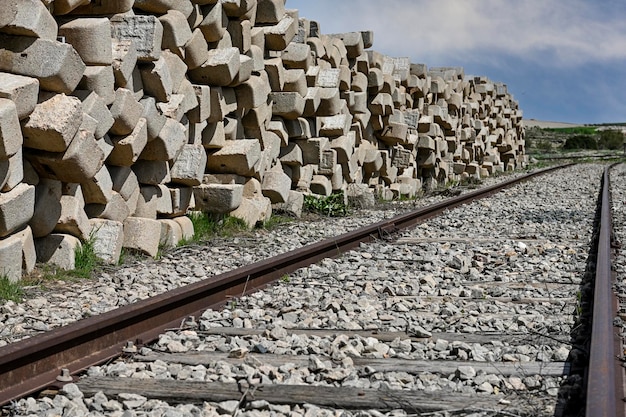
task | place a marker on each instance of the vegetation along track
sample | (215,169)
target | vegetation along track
(478,311)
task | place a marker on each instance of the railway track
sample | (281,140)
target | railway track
(411,333)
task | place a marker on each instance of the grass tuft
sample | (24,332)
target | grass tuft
(333,206)
(208,226)
(10,291)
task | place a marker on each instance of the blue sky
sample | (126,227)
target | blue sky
(563,60)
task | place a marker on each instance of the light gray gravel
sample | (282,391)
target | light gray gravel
(528,242)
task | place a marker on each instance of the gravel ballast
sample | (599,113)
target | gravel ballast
(512,263)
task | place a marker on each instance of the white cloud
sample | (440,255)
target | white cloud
(565,32)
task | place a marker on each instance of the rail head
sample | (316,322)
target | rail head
(605,380)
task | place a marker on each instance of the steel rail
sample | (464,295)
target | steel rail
(33,364)
(605,389)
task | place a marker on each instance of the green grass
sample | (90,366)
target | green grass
(10,291)
(86,260)
(579,130)
(209,226)
(276,220)
(333,206)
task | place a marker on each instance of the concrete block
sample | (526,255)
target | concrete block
(218,198)
(359,82)
(275,73)
(98,189)
(257,55)
(53,124)
(154,119)
(202,112)
(56,65)
(145,31)
(142,234)
(80,162)
(16,208)
(344,146)
(186,226)
(58,249)
(152,172)
(239,8)
(11,140)
(96,107)
(278,36)
(297,56)
(29,255)
(12,172)
(321,185)
(215,22)
(220,69)
(196,50)
(47,209)
(116,209)
(126,112)
(330,102)
(253,211)
(124,181)
(295,81)
(270,11)
(293,206)
(236,157)
(328,162)
(188,168)
(108,237)
(163,6)
(73,220)
(135,84)
(291,155)
(176,32)
(23,91)
(168,144)
(126,149)
(256,120)
(171,233)
(312,149)
(27,18)
(240,33)
(252,93)
(157,80)
(353,42)
(181,200)
(333,126)
(214,136)
(146,205)
(11,258)
(91,37)
(276,186)
(299,128)
(99,79)
(101,8)
(287,105)
(124,60)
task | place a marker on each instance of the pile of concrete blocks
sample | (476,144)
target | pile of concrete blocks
(118,118)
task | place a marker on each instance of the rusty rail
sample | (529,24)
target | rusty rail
(605,390)
(33,364)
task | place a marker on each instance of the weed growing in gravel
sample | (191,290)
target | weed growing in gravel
(207,226)
(276,221)
(86,260)
(333,206)
(10,291)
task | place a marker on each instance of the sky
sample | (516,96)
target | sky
(563,60)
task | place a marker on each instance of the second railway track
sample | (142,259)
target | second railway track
(476,312)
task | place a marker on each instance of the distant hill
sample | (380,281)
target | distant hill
(544,124)
(548,125)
